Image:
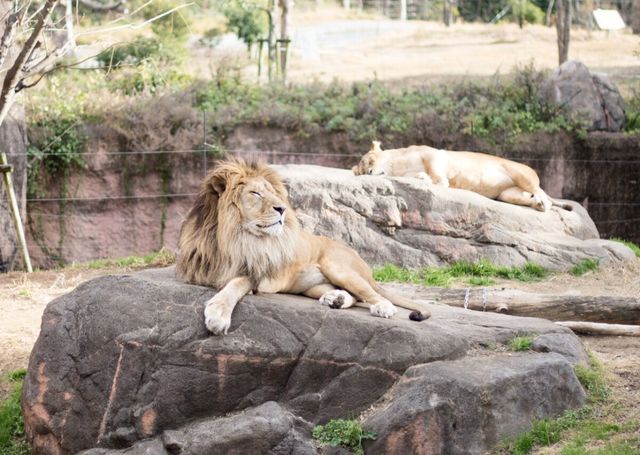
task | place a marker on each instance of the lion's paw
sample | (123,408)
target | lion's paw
(337,299)
(383,309)
(217,317)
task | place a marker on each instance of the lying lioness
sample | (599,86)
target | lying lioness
(242,235)
(491,176)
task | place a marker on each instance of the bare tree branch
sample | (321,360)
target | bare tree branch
(13,74)
(7,36)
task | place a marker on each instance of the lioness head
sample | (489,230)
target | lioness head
(370,163)
(256,195)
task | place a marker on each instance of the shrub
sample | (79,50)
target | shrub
(347,433)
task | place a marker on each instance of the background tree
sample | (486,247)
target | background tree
(563,27)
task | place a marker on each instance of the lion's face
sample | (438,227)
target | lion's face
(262,211)
(370,163)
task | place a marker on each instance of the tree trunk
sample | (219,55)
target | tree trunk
(622,310)
(563,27)
(635,17)
(403,10)
(285,9)
(447,13)
(547,19)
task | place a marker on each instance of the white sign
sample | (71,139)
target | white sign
(608,19)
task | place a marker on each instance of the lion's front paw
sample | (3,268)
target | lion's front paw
(217,317)
(383,309)
(337,299)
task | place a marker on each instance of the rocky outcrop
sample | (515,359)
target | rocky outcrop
(408,222)
(126,362)
(590,98)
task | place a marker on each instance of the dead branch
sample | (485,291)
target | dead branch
(595,328)
(564,307)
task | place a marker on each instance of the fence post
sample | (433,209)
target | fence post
(5,169)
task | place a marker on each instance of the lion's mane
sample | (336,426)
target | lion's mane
(214,248)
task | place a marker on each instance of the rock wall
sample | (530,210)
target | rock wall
(124,364)
(111,213)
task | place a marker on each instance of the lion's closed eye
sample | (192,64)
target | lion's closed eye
(255,193)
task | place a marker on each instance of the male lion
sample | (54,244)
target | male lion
(491,176)
(242,235)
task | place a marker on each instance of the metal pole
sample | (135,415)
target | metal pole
(15,212)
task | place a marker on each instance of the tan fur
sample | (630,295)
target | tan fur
(242,235)
(491,176)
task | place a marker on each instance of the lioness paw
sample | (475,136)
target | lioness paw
(337,299)
(217,317)
(383,309)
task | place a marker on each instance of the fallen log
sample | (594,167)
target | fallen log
(562,307)
(596,328)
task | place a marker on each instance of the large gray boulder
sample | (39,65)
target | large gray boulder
(590,98)
(124,364)
(408,222)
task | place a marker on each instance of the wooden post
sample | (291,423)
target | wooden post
(5,169)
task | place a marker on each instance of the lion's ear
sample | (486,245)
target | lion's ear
(375,147)
(218,182)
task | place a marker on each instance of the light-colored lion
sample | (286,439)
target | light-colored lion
(491,176)
(241,235)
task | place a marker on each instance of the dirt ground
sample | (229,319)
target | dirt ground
(329,44)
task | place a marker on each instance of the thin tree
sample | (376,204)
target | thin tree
(563,27)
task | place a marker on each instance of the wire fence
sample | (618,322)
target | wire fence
(611,216)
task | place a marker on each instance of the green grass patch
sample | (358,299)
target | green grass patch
(12,437)
(519,344)
(580,427)
(587,265)
(341,432)
(479,273)
(632,246)
(161,258)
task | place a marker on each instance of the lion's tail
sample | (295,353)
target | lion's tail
(418,312)
(562,205)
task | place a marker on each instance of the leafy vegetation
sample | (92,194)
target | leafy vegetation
(632,246)
(340,432)
(584,266)
(497,112)
(475,273)
(12,437)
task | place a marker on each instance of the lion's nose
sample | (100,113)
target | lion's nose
(278,209)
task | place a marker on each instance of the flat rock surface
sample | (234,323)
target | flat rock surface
(122,359)
(408,222)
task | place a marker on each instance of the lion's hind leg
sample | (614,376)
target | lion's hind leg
(346,276)
(518,196)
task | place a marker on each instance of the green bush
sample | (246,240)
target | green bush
(132,53)
(340,432)
(246,20)
(524,11)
